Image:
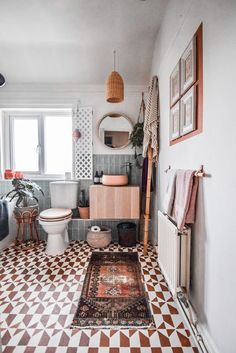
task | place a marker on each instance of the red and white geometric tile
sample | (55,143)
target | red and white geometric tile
(39,296)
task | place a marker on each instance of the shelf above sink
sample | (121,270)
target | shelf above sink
(115,180)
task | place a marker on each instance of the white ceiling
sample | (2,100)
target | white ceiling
(71,41)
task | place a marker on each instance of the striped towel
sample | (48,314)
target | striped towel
(151,121)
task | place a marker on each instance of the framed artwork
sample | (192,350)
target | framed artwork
(175,84)
(186,92)
(188,112)
(188,66)
(175,121)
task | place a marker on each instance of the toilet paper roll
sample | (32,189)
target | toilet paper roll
(95,229)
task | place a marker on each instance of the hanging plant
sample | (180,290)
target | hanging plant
(136,137)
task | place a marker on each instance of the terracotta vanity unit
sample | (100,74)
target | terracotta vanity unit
(114,202)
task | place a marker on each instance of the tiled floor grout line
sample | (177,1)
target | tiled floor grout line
(37,307)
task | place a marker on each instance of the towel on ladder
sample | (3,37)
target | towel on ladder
(185,197)
(151,121)
(170,191)
(4,226)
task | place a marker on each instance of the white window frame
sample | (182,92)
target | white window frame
(8,139)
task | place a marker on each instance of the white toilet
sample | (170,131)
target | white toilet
(64,195)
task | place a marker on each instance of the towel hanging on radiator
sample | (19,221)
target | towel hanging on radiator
(174,254)
(170,192)
(185,197)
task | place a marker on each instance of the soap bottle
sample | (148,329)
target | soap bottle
(100,177)
(96,179)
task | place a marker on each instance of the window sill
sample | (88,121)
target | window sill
(42,178)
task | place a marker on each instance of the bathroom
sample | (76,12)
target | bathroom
(55,61)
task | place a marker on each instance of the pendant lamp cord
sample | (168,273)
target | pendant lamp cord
(114,54)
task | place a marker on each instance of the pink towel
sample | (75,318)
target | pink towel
(185,198)
(170,192)
(190,217)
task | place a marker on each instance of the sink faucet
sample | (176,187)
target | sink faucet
(128,169)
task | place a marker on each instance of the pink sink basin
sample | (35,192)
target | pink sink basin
(115,180)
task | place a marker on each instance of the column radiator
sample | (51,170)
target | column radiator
(174,253)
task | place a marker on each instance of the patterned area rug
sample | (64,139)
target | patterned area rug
(113,293)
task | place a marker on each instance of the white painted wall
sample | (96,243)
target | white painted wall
(66,95)
(214,239)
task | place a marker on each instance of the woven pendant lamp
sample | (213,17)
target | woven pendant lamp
(114,85)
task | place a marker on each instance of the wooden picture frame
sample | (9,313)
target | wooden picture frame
(188,112)
(198,86)
(175,84)
(175,121)
(188,66)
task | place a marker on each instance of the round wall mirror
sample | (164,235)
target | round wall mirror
(114,130)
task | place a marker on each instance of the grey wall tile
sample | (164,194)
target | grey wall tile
(106,162)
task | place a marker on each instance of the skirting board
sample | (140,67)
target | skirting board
(207,340)
(207,345)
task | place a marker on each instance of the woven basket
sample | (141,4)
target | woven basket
(99,239)
(114,88)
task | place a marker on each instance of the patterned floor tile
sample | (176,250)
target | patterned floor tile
(39,296)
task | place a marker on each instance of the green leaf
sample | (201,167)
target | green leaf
(24,190)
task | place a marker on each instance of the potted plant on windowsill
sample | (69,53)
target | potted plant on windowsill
(24,194)
(83,206)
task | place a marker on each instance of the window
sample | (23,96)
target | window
(25,144)
(38,143)
(58,144)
